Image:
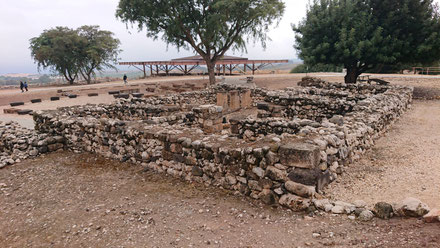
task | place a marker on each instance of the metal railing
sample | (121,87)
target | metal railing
(426,70)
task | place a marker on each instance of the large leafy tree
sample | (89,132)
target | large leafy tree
(57,49)
(210,27)
(99,51)
(71,53)
(362,34)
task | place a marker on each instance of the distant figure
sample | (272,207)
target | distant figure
(21,86)
(25,85)
(125,79)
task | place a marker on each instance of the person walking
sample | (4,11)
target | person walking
(26,85)
(125,79)
(21,86)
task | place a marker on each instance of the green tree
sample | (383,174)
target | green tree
(363,34)
(210,27)
(57,49)
(99,51)
(70,52)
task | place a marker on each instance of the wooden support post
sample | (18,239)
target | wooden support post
(230,70)
(151,70)
(253,68)
(157,69)
(186,70)
(224,70)
(245,66)
(166,69)
(145,73)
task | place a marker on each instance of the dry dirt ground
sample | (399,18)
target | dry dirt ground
(81,200)
(405,162)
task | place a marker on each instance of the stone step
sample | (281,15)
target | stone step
(24,111)
(13,104)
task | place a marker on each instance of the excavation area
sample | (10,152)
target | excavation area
(207,167)
(282,147)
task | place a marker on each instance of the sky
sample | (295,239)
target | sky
(21,20)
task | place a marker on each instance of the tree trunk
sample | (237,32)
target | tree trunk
(69,78)
(352,74)
(86,76)
(211,72)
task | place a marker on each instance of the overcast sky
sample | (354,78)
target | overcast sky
(21,20)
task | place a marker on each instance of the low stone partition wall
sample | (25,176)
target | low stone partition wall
(18,143)
(285,160)
(358,88)
(250,128)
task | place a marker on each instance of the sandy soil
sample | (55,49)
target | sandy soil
(404,163)
(44,93)
(68,200)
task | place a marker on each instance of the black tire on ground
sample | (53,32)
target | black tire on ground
(92,94)
(72,96)
(55,98)
(35,100)
(24,112)
(113,92)
(16,104)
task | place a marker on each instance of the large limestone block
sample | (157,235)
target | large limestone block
(294,202)
(300,189)
(411,207)
(300,155)
(222,100)
(246,99)
(234,101)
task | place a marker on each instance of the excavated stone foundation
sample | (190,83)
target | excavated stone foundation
(282,147)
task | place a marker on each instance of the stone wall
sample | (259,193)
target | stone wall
(18,143)
(281,160)
(317,103)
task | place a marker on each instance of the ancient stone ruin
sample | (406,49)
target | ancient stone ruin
(282,147)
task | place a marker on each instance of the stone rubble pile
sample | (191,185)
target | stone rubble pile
(18,143)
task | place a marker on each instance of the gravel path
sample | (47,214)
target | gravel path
(80,200)
(404,162)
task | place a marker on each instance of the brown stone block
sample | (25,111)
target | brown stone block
(176,148)
(10,111)
(213,128)
(301,155)
(432,216)
(246,99)
(55,147)
(222,100)
(234,100)
(167,155)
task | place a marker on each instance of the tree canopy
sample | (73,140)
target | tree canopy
(71,53)
(362,34)
(210,27)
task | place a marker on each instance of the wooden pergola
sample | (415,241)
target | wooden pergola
(188,64)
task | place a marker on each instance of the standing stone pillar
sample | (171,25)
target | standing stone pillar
(234,101)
